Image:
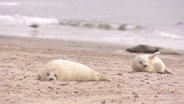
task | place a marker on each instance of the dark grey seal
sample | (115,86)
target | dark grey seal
(151,49)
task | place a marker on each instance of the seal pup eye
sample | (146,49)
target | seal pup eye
(47,74)
(56,77)
(140,62)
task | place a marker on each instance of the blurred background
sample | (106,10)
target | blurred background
(122,22)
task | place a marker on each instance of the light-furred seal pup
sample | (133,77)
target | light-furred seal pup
(64,70)
(149,63)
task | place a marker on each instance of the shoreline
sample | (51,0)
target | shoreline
(50,42)
(23,58)
(55,43)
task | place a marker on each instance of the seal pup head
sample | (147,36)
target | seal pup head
(48,75)
(51,76)
(142,62)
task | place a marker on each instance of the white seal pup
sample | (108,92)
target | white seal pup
(64,70)
(149,63)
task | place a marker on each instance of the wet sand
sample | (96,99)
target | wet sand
(21,59)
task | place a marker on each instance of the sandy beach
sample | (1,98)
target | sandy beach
(21,59)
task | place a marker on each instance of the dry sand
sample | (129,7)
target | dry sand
(21,59)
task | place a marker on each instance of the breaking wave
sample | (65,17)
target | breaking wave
(9,3)
(29,20)
(100,25)
(169,35)
(26,20)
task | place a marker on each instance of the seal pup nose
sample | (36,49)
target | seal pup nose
(50,79)
(145,65)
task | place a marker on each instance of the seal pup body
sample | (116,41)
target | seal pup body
(65,70)
(149,63)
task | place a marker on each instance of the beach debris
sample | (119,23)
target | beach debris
(35,26)
(103,102)
(120,74)
(135,94)
(75,92)
(180,23)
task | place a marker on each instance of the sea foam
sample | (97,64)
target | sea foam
(26,20)
(170,35)
(9,3)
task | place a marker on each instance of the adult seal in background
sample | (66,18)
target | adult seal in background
(151,49)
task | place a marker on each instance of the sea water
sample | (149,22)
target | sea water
(122,22)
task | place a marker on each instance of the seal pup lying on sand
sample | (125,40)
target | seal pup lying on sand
(64,70)
(149,63)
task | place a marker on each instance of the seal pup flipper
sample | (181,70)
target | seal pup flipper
(168,71)
(153,55)
(102,78)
